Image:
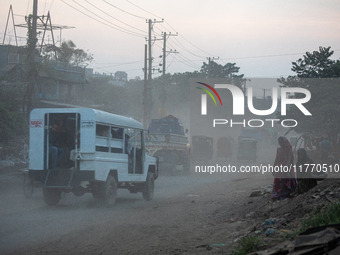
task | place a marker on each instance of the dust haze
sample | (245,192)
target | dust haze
(29,226)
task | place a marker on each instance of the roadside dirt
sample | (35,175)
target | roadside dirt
(196,214)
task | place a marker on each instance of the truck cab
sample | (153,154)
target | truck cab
(167,141)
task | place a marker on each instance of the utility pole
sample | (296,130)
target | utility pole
(34,21)
(151,22)
(165,37)
(31,48)
(145,92)
(150,53)
(209,64)
(147,100)
(162,98)
(164,53)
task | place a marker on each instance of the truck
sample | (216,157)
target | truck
(167,141)
(83,150)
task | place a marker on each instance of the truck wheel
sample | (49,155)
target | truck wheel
(170,163)
(110,191)
(96,192)
(149,187)
(51,196)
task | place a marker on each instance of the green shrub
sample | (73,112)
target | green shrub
(330,215)
(246,245)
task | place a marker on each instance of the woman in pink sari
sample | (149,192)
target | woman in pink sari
(284,182)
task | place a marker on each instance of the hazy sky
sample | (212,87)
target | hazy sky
(262,37)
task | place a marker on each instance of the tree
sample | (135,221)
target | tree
(229,71)
(67,53)
(12,122)
(318,73)
(317,65)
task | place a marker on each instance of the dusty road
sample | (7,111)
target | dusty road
(186,214)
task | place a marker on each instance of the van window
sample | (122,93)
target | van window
(139,152)
(109,138)
(102,130)
(134,143)
(117,132)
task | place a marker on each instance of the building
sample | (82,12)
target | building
(56,80)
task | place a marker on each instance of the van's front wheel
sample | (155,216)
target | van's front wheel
(51,196)
(149,187)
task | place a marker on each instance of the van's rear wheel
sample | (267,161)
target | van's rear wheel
(149,187)
(51,196)
(110,191)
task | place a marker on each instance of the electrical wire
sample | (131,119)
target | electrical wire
(108,25)
(28,5)
(143,9)
(107,65)
(186,61)
(51,5)
(180,45)
(113,17)
(45,6)
(171,61)
(119,27)
(134,15)
(198,48)
(176,42)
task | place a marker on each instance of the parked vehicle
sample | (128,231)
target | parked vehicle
(167,141)
(202,148)
(83,150)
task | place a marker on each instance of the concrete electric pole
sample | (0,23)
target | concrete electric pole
(165,38)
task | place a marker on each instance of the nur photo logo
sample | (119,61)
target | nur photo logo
(283,98)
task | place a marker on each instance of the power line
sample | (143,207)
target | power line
(275,55)
(134,15)
(113,17)
(179,43)
(45,6)
(186,62)
(186,59)
(104,69)
(119,64)
(120,28)
(108,25)
(198,48)
(143,9)
(51,5)
(172,60)
(28,5)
